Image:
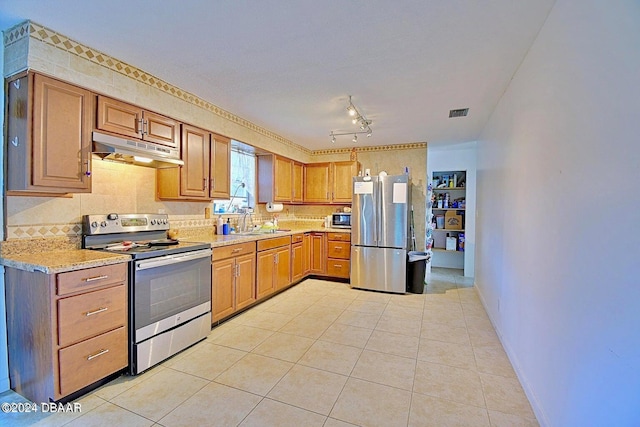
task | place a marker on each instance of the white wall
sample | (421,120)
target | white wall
(558,202)
(453,158)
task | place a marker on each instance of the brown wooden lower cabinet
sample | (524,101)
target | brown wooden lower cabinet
(338,255)
(318,253)
(65,331)
(273,265)
(297,257)
(233,272)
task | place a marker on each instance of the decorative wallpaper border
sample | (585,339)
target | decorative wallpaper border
(410,146)
(60,41)
(16,33)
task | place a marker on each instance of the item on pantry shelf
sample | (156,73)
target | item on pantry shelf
(452,220)
(461,242)
(439,221)
(451,243)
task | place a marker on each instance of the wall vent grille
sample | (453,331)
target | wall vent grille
(462,112)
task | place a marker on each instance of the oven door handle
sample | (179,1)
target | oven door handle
(173,259)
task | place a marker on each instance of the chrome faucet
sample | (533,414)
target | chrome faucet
(243,225)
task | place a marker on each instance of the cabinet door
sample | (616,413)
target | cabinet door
(264,273)
(297,262)
(119,117)
(222,288)
(316,183)
(194,175)
(282,178)
(245,280)
(220,167)
(318,253)
(282,272)
(297,182)
(342,173)
(62,124)
(306,253)
(160,129)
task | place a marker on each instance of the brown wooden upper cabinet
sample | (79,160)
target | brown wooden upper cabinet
(297,182)
(280,179)
(205,174)
(134,122)
(49,126)
(329,182)
(220,167)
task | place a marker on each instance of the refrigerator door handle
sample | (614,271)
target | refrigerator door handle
(377,239)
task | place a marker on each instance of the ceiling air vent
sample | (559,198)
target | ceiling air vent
(462,112)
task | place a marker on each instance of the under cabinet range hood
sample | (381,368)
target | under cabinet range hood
(133,152)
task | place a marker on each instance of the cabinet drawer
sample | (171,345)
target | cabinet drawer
(233,250)
(265,244)
(91,360)
(338,250)
(297,238)
(90,314)
(341,237)
(338,268)
(90,278)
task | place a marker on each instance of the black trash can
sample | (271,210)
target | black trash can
(416,270)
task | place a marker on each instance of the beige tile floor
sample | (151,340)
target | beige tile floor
(322,354)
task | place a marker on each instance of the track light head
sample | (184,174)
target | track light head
(357,119)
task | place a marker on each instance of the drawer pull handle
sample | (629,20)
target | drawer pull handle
(100,353)
(337,265)
(93,279)
(233,251)
(100,310)
(338,248)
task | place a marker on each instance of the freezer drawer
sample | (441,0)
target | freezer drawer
(379,269)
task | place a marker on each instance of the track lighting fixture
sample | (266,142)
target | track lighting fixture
(358,119)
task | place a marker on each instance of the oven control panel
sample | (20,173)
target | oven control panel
(123,223)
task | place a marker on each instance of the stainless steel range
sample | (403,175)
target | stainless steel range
(169,284)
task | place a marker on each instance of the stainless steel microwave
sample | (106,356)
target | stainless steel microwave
(341,220)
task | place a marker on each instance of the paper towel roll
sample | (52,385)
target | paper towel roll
(275,207)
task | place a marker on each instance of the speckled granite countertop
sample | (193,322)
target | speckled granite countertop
(51,262)
(231,239)
(50,256)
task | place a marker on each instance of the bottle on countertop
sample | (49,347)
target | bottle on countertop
(219,225)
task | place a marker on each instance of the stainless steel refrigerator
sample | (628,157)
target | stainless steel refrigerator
(380,232)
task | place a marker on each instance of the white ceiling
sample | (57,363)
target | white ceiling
(289,66)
